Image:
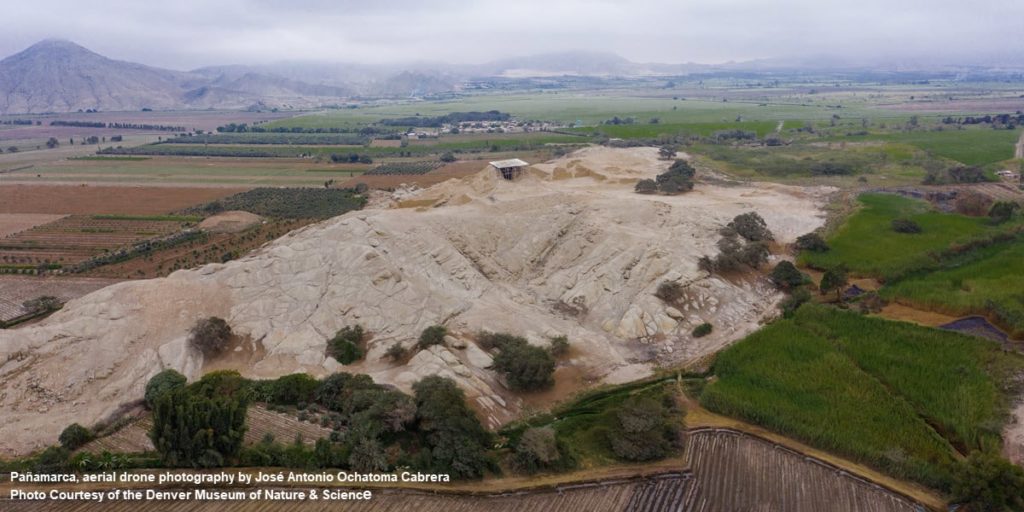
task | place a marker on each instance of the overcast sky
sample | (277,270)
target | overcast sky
(185,34)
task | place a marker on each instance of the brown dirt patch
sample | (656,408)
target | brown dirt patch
(11,223)
(895,311)
(88,199)
(230,222)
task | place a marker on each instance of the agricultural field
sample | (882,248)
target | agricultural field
(971,146)
(867,245)
(15,291)
(71,240)
(286,203)
(410,168)
(104,199)
(877,391)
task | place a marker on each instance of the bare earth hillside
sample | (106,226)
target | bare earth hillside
(567,249)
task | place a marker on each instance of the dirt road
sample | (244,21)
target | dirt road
(1020,147)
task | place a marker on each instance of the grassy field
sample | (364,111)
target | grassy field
(645,130)
(896,396)
(971,146)
(990,282)
(867,245)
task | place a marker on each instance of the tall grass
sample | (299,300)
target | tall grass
(896,396)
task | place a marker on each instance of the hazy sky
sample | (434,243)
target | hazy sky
(184,34)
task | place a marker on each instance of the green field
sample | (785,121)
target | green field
(971,146)
(990,282)
(867,245)
(899,397)
(644,130)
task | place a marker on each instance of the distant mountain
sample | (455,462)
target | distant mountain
(60,76)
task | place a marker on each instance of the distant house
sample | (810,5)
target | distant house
(510,169)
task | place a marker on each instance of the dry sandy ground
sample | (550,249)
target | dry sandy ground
(230,222)
(567,249)
(11,223)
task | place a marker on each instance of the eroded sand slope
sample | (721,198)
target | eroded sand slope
(567,249)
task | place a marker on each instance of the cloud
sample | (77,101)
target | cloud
(186,34)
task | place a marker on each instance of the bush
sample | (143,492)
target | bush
(669,291)
(647,186)
(347,345)
(834,279)
(75,436)
(163,382)
(1002,211)
(433,335)
(905,226)
(211,336)
(988,482)
(811,242)
(794,301)
(751,227)
(559,346)
(497,340)
(396,352)
(642,430)
(456,442)
(702,330)
(337,391)
(447,157)
(786,276)
(538,449)
(526,367)
(291,389)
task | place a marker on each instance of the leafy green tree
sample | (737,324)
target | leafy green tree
(291,389)
(751,227)
(834,280)
(456,442)
(368,456)
(646,186)
(987,482)
(642,430)
(75,436)
(347,344)
(433,335)
(538,449)
(396,352)
(811,242)
(448,157)
(163,382)
(786,276)
(526,367)
(190,429)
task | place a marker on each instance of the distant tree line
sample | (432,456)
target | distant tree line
(118,125)
(245,128)
(20,122)
(453,118)
(1008,121)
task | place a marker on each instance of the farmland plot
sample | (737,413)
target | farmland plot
(16,290)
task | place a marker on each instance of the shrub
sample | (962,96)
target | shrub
(526,367)
(811,242)
(456,442)
(786,276)
(447,157)
(211,336)
(163,382)
(559,346)
(667,152)
(75,436)
(293,389)
(396,352)
(833,280)
(1002,211)
(669,291)
(702,330)
(433,335)
(646,186)
(905,226)
(347,345)
(986,481)
(642,430)
(336,391)
(538,449)
(794,301)
(751,227)
(497,340)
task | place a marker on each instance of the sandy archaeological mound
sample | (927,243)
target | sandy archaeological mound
(569,248)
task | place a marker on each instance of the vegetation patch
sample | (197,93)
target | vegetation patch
(287,203)
(899,397)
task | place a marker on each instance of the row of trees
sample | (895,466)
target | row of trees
(676,180)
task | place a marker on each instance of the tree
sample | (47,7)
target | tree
(702,330)
(811,242)
(368,456)
(751,227)
(537,449)
(211,336)
(646,187)
(347,344)
(987,482)
(670,291)
(396,352)
(834,280)
(433,335)
(667,152)
(526,367)
(448,157)
(52,143)
(786,276)
(642,430)
(1002,211)
(456,441)
(190,429)
(161,383)
(559,346)
(75,436)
